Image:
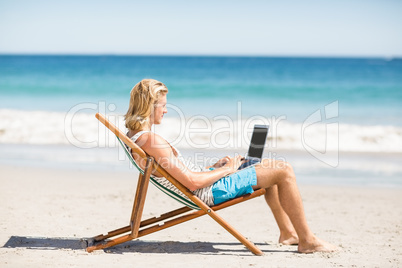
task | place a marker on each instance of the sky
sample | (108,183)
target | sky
(338,28)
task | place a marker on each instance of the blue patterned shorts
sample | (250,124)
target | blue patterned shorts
(234,185)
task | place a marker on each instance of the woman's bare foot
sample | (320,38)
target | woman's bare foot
(316,245)
(288,239)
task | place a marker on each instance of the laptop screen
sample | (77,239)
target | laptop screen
(258,141)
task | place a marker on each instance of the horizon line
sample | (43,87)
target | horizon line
(390,57)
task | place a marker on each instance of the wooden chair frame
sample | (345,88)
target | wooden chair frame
(138,228)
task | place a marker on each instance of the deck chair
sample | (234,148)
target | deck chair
(194,207)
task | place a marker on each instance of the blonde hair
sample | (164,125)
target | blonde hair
(143,96)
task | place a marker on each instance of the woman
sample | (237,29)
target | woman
(222,181)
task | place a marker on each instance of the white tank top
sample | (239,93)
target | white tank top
(205,194)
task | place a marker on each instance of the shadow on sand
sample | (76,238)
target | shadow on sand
(136,246)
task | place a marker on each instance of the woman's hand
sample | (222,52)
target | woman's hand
(221,162)
(233,163)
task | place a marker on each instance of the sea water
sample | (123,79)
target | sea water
(317,104)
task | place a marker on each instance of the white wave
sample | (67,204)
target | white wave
(83,130)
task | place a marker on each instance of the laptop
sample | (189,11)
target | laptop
(256,147)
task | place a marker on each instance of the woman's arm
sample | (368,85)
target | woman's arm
(158,148)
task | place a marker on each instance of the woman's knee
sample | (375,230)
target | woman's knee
(289,174)
(282,170)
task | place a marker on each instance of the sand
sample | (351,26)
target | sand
(46,211)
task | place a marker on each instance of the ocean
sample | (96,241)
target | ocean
(315,105)
(369,91)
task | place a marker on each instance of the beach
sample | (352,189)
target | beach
(47,209)
(64,177)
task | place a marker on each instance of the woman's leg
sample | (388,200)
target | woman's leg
(288,235)
(271,172)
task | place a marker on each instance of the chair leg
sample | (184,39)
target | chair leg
(253,248)
(110,243)
(139,200)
